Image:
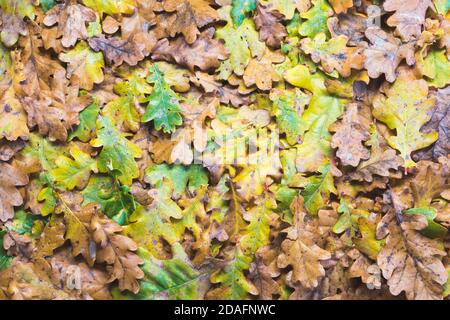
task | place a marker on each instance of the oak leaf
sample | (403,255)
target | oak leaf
(300,251)
(71,19)
(418,272)
(10,177)
(385,54)
(334,54)
(408,17)
(261,72)
(406,113)
(117,51)
(13,121)
(382,160)
(118,153)
(439,122)
(117,251)
(350,135)
(189,16)
(205,53)
(269,26)
(85,64)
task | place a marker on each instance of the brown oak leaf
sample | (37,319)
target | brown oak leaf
(51,238)
(440,122)
(116,251)
(18,244)
(269,25)
(189,15)
(382,160)
(341,6)
(350,25)
(77,278)
(9,148)
(350,134)
(24,280)
(11,27)
(261,72)
(13,119)
(10,178)
(263,272)
(408,18)
(300,251)
(205,53)
(116,50)
(412,263)
(71,19)
(77,220)
(385,53)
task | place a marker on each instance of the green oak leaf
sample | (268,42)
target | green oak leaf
(315,150)
(318,190)
(88,117)
(287,107)
(316,19)
(172,279)
(239,8)
(322,103)
(192,177)
(242,42)
(233,284)
(436,68)
(163,106)
(117,153)
(193,214)
(149,225)
(256,233)
(70,173)
(115,200)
